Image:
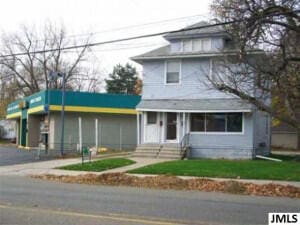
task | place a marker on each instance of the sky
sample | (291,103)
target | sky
(104,18)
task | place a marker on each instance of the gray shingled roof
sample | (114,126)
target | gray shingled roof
(209,31)
(164,52)
(195,105)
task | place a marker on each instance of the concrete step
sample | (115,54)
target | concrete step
(148,155)
(169,156)
(150,145)
(169,152)
(171,149)
(146,152)
(147,148)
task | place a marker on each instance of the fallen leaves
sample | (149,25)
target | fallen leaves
(176,183)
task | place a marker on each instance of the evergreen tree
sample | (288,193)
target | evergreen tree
(122,80)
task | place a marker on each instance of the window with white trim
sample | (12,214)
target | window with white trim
(151,117)
(172,72)
(217,122)
(187,45)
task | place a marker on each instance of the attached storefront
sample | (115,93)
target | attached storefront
(38,127)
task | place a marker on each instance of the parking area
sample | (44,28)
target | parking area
(10,155)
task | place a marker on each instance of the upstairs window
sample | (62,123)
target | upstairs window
(172,72)
(206,44)
(197,45)
(187,45)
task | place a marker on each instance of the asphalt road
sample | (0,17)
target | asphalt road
(12,155)
(25,200)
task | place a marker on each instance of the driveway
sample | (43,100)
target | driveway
(10,155)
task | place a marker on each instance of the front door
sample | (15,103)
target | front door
(171,129)
(152,131)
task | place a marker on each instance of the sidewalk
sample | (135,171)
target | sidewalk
(48,167)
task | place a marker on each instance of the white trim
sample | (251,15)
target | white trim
(192,111)
(192,55)
(138,129)
(144,124)
(166,70)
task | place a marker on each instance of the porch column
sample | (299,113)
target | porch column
(138,128)
(184,123)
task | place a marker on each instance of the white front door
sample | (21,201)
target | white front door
(152,127)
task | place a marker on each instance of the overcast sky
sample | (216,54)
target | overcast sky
(104,17)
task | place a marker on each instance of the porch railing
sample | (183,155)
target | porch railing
(184,145)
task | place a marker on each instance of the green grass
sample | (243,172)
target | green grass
(244,169)
(100,165)
(4,141)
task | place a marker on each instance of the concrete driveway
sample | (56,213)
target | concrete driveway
(10,155)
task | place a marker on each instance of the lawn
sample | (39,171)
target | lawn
(245,169)
(99,165)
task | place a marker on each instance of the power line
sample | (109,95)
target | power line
(125,27)
(117,40)
(132,38)
(133,26)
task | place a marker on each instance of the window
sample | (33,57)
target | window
(197,45)
(176,46)
(217,122)
(172,73)
(203,45)
(197,122)
(187,45)
(234,122)
(206,45)
(151,117)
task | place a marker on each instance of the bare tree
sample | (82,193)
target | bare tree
(273,26)
(30,71)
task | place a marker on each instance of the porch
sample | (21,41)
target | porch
(207,130)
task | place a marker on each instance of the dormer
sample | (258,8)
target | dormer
(210,39)
(191,43)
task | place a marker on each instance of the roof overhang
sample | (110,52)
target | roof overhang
(195,105)
(186,56)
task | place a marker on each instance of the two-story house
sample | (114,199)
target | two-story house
(179,110)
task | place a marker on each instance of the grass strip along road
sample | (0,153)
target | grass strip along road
(99,165)
(288,170)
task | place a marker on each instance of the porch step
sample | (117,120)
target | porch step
(170,151)
(147,150)
(143,155)
(169,154)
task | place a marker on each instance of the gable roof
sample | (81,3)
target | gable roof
(201,32)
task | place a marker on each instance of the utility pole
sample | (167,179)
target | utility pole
(54,76)
(62,134)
